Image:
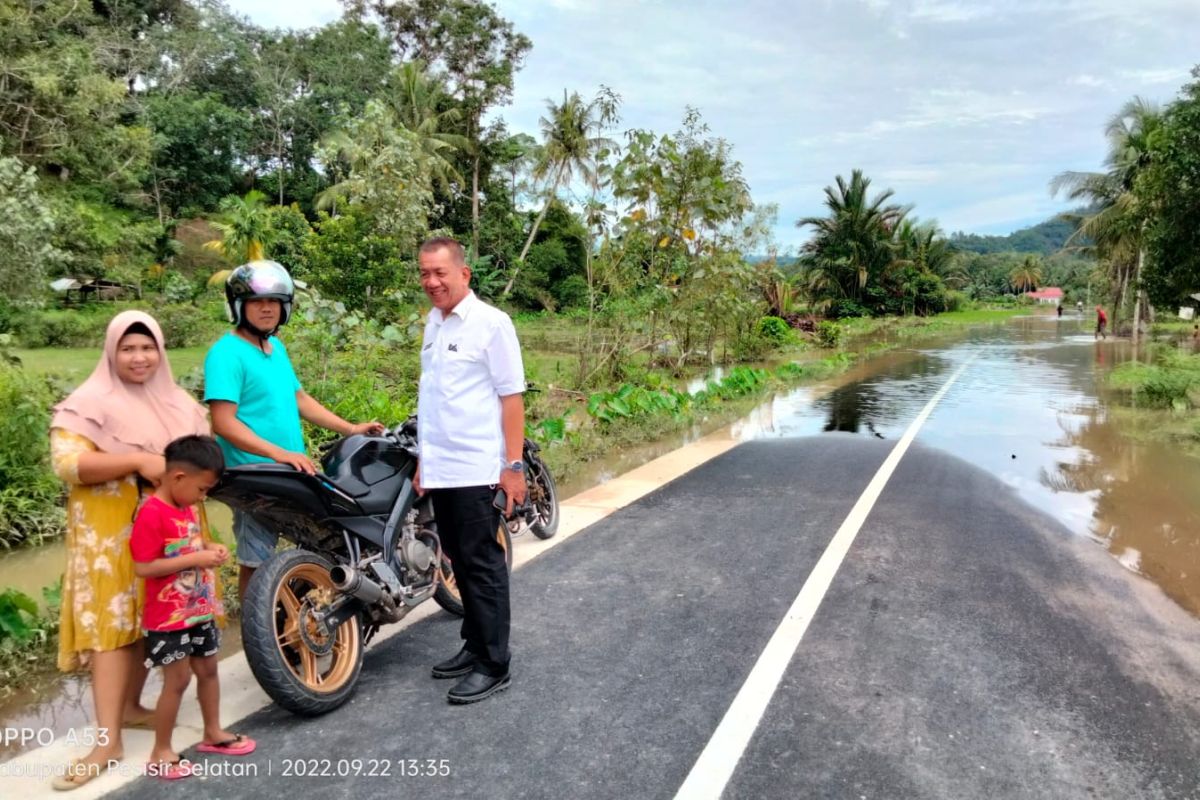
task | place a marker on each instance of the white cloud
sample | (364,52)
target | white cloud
(948,11)
(1155,76)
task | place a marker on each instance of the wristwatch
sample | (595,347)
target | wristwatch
(517,466)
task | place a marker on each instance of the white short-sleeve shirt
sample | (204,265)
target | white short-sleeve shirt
(470,358)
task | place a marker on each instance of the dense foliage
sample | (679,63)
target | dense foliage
(1045,238)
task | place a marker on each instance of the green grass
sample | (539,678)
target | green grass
(977,316)
(77,364)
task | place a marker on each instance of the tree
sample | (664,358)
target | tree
(198,141)
(418,102)
(246,230)
(1172,187)
(571,144)
(519,155)
(1117,226)
(26,226)
(386,176)
(1027,276)
(60,108)
(852,247)
(478,51)
(351,261)
(685,207)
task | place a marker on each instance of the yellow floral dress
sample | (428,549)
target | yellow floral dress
(101,595)
(101,607)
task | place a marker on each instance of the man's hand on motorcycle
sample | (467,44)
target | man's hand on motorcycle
(296,461)
(372,428)
(513,484)
(417,482)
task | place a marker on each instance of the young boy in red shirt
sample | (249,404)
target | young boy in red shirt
(171,554)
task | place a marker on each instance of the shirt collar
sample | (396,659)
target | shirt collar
(462,309)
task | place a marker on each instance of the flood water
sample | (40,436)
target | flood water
(1031,408)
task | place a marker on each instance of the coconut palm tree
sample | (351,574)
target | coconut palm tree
(1117,225)
(854,245)
(571,142)
(1026,276)
(417,102)
(245,230)
(923,246)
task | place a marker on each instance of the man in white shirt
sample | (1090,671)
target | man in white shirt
(472,428)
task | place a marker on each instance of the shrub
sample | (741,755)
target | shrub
(957,301)
(842,309)
(30,493)
(829,334)
(775,330)
(186,325)
(60,328)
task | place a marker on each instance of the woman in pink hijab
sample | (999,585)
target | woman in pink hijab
(106,434)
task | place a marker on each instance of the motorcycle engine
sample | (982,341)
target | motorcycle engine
(417,556)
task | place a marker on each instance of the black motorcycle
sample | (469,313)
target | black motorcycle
(366,553)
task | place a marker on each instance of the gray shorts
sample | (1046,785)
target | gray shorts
(255,542)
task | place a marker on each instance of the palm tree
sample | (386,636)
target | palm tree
(571,141)
(854,244)
(1026,276)
(1117,226)
(415,101)
(245,231)
(518,153)
(923,246)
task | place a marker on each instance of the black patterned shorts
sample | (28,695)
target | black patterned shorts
(166,647)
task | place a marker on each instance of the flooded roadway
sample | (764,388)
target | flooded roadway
(1034,411)
(1031,410)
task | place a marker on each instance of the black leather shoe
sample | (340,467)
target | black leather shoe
(462,663)
(477,686)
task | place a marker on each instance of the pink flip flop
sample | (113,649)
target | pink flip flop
(170,770)
(237,746)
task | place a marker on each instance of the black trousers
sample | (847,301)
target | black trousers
(467,525)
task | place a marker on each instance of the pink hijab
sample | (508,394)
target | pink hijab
(120,417)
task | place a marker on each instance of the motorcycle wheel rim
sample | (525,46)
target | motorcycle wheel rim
(318,674)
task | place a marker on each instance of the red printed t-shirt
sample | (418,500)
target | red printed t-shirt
(1101,316)
(181,599)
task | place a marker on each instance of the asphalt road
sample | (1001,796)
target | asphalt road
(968,647)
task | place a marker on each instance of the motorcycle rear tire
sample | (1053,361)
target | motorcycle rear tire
(446,595)
(547,528)
(291,673)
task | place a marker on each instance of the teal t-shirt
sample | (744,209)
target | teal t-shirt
(264,388)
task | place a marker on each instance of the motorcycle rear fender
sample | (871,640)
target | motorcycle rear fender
(251,486)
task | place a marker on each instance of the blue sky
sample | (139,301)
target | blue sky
(965,109)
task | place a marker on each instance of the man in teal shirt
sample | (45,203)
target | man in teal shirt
(256,399)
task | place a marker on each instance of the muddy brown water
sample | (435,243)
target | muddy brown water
(1032,408)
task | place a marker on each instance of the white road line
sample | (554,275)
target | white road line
(724,750)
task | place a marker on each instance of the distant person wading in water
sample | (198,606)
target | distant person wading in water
(1101,323)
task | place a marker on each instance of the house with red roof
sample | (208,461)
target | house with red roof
(1051,295)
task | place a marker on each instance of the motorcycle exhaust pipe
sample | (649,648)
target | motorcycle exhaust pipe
(354,583)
